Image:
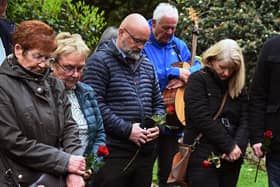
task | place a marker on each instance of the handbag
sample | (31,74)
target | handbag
(177,175)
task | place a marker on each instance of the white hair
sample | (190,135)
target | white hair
(165,9)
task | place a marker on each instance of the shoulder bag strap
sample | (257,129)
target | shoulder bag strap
(196,140)
(177,51)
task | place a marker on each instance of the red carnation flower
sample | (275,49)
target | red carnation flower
(102,151)
(268,134)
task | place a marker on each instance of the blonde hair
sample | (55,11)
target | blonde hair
(69,43)
(228,52)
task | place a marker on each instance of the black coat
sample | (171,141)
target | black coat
(264,107)
(203,96)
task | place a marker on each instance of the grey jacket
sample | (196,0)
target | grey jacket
(35,122)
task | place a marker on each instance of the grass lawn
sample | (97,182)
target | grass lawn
(246,178)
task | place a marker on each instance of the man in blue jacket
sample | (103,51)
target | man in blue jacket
(164,49)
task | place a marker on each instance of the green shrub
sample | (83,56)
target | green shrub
(249,22)
(62,15)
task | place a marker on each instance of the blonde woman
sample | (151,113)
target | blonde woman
(226,137)
(71,54)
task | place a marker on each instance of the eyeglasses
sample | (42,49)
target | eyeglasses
(70,70)
(42,58)
(167,28)
(136,40)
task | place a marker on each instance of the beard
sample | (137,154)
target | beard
(135,55)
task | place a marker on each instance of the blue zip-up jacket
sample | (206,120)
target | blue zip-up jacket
(163,55)
(125,94)
(89,107)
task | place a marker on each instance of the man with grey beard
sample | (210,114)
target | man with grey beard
(128,93)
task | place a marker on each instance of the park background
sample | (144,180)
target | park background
(249,22)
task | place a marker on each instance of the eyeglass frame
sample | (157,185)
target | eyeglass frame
(41,58)
(136,40)
(72,70)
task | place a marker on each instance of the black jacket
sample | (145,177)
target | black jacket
(35,122)
(264,107)
(203,96)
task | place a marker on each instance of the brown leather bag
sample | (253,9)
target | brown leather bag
(180,161)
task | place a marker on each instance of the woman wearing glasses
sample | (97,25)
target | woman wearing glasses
(37,132)
(71,54)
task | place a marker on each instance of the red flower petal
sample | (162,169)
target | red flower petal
(206,164)
(102,151)
(268,134)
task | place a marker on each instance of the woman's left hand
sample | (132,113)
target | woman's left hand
(74,180)
(77,165)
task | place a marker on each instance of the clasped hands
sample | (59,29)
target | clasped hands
(234,155)
(141,136)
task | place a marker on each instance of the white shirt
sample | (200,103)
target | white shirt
(79,117)
(2,52)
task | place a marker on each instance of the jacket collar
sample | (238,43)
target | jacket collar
(12,68)
(111,48)
(223,84)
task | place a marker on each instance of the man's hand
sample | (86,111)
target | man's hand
(175,83)
(153,133)
(73,180)
(257,150)
(77,165)
(184,74)
(138,135)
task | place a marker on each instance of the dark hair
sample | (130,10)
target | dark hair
(34,34)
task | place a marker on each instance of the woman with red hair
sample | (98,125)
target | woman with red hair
(37,132)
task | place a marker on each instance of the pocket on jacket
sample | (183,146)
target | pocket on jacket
(28,121)
(272,108)
(214,98)
(274,59)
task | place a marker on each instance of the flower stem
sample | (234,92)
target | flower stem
(258,166)
(131,160)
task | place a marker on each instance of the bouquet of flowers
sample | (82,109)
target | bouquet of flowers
(93,163)
(265,148)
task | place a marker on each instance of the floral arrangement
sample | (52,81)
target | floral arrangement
(213,160)
(92,163)
(268,135)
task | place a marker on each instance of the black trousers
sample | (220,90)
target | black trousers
(168,146)
(225,176)
(138,174)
